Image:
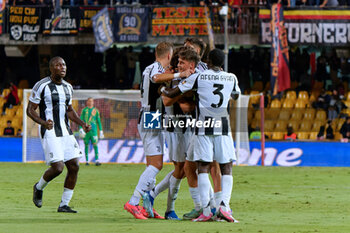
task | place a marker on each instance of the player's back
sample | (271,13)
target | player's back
(214,90)
(149,89)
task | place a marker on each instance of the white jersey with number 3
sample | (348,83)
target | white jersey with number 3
(214,89)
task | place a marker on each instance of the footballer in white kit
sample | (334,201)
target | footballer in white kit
(152,138)
(53,96)
(213,140)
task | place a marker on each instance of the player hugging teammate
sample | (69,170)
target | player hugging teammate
(180,87)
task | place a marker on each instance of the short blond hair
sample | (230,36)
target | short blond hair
(163,48)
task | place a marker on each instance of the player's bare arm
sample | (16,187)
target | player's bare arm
(31,112)
(73,116)
(171,92)
(165,77)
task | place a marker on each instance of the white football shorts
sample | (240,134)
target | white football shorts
(214,147)
(153,141)
(60,149)
(178,143)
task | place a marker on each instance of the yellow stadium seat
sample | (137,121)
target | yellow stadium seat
(284,114)
(281,125)
(337,136)
(305,126)
(250,115)
(277,135)
(255,123)
(20,94)
(257,115)
(303,135)
(313,135)
(321,115)
(272,113)
(347,103)
(291,95)
(275,103)
(5,92)
(309,114)
(294,124)
(346,111)
(297,114)
(303,95)
(288,103)
(10,112)
(300,103)
(317,125)
(269,125)
(340,124)
(348,95)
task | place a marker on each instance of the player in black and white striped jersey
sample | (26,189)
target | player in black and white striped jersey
(190,166)
(153,142)
(212,141)
(53,96)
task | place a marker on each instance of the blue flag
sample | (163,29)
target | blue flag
(102,31)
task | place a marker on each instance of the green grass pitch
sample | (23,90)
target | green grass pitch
(264,199)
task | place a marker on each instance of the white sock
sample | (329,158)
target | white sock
(41,184)
(212,198)
(66,196)
(227,183)
(218,198)
(204,188)
(163,185)
(174,186)
(146,183)
(196,198)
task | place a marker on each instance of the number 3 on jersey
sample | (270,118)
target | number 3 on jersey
(217,91)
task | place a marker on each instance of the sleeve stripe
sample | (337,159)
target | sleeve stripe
(38,84)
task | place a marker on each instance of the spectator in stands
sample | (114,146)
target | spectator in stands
(290,135)
(329,132)
(322,101)
(11,98)
(335,105)
(9,130)
(345,130)
(19,133)
(256,134)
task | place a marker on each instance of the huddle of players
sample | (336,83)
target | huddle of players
(180,80)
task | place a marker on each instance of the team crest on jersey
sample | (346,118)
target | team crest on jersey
(51,155)
(152,120)
(183,82)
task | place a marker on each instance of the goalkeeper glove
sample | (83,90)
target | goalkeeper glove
(82,133)
(101,135)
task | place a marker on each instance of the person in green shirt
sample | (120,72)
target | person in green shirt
(91,116)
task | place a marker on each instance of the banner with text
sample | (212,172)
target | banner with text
(287,154)
(86,13)
(102,31)
(130,24)
(66,23)
(24,23)
(305,26)
(179,21)
(280,75)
